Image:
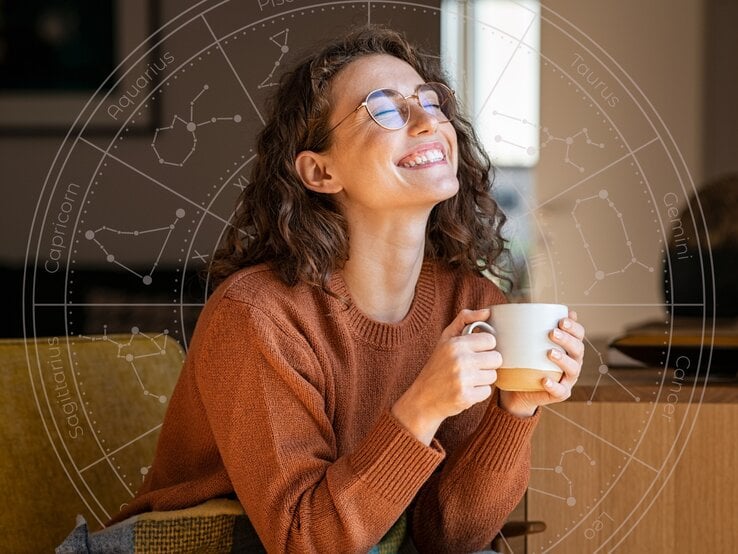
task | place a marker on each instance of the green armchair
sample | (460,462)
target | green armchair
(80,420)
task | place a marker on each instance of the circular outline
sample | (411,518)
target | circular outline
(204,210)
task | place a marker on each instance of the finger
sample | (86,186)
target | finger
(569,366)
(479,342)
(464,318)
(484,377)
(480,393)
(488,360)
(558,391)
(572,327)
(571,344)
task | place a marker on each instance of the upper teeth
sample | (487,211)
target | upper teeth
(424,158)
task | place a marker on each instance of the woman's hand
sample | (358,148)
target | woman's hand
(459,373)
(569,336)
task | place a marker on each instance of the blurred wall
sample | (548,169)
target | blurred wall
(154,178)
(680,54)
(720,147)
(661,46)
(26,159)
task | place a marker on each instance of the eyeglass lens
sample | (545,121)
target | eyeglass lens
(391,110)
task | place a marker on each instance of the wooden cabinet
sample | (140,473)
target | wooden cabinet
(637,461)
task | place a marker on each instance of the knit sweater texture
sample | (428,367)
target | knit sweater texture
(284,401)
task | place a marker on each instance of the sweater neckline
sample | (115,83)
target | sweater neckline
(389,335)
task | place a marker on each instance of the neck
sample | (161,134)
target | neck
(383,268)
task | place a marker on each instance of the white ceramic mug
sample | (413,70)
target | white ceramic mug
(522,333)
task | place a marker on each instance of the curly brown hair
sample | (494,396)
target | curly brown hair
(302,234)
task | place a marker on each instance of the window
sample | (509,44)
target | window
(490,49)
(491,52)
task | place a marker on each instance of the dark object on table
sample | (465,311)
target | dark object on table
(686,346)
(703,253)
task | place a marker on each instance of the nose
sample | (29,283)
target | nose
(419,120)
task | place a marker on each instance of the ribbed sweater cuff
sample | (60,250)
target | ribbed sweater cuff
(394,462)
(500,438)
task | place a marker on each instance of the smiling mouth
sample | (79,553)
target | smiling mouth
(426,157)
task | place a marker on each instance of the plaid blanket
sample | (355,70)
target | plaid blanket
(218,526)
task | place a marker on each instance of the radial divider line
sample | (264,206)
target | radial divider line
(504,69)
(607,442)
(595,174)
(155,181)
(130,442)
(504,541)
(238,77)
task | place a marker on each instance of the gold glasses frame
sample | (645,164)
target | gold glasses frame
(451,97)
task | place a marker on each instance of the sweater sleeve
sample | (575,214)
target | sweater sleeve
(463,506)
(263,393)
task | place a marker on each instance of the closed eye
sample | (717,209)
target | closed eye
(385,112)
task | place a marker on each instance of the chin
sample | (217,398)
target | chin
(448,188)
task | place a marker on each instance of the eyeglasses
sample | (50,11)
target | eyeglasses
(391,110)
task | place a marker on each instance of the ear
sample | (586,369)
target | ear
(313,170)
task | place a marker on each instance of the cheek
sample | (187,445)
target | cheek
(374,147)
(454,143)
(367,165)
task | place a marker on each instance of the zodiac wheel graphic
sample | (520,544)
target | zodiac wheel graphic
(182,177)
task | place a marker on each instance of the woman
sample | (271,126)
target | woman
(328,385)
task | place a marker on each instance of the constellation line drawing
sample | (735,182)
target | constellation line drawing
(191,127)
(603,370)
(93,235)
(569,140)
(599,274)
(283,49)
(158,348)
(559,470)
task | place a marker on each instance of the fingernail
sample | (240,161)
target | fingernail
(558,334)
(547,383)
(567,324)
(555,354)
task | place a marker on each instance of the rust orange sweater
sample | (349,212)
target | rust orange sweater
(285,399)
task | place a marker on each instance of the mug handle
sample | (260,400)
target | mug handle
(469,329)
